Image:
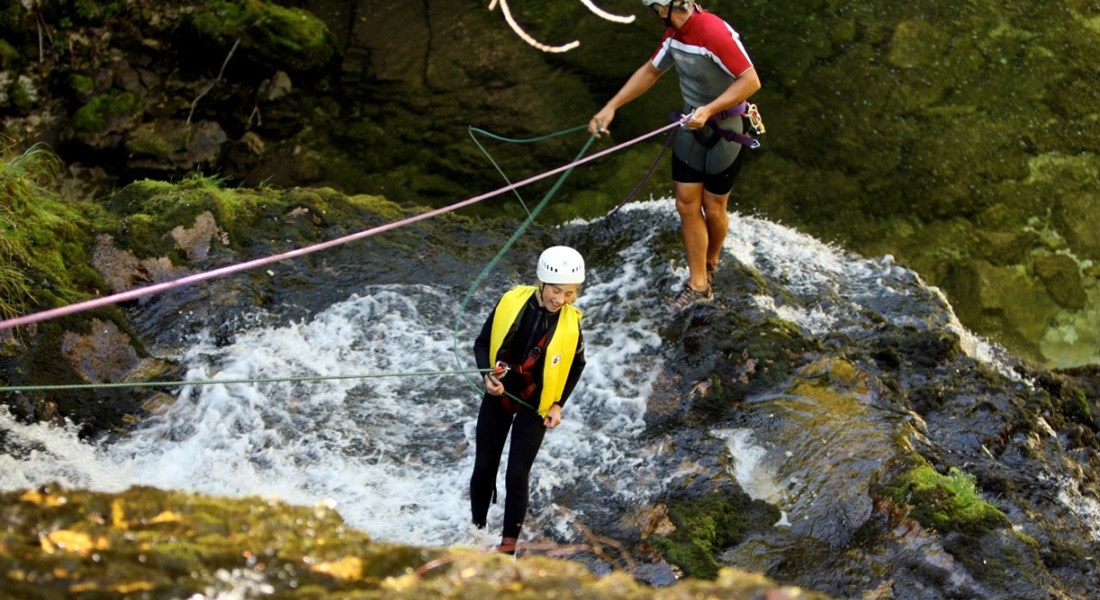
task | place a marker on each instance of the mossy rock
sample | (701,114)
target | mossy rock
(163,544)
(945,502)
(176,544)
(706,526)
(100,121)
(283,36)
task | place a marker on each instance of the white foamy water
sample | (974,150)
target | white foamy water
(394,453)
(754,475)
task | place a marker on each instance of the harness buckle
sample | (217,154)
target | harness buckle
(500,370)
(756,122)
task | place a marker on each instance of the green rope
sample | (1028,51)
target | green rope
(93,386)
(472,130)
(484,274)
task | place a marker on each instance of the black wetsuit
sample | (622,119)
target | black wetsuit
(494,420)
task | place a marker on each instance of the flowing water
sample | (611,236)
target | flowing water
(393,453)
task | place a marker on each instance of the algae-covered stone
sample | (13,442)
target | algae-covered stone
(917,44)
(704,527)
(948,502)
(1077,216)
(163,544)
(168,146)
(1062,278)
(285,36)
(102,122)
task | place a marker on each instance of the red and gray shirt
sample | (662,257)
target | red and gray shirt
(708,56)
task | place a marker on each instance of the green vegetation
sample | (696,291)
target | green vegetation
(707,526)
(150,541)
(46,243)
(43,241)
(946,503)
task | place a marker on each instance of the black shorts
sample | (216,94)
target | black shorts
(719,184)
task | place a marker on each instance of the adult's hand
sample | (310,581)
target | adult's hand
(493,386)
(553,417)
(599,123)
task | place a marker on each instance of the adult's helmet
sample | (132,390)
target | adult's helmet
(561,264)
(672,3)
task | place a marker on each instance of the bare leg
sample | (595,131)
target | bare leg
(693,226)
(718,222)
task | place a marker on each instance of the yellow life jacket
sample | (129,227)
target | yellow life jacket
(560,350)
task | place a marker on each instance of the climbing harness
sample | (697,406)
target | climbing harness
(745,110)
(526,369)
(500,370)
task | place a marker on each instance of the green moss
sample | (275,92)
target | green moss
(82,85)
(946,503)
(145,212)
(707,526)
(171,544)
(43,241)
(100,112)
(287,36)
(155,141)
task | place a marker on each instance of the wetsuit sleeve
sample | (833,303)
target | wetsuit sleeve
(481,344)
(575,371)
(661,59)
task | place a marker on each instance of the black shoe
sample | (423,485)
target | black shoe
(712,268)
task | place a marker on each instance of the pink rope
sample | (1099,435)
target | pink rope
(259,262)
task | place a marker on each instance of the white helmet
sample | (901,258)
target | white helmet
(673,3)
(561,264)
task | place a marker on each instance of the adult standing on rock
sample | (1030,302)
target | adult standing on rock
(716,77)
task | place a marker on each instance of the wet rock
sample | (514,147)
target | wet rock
(245,154)
(276,88)
(1078,219)
(104,355)
(123,271)
(195,241)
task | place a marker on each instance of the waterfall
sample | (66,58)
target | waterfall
(393,453)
